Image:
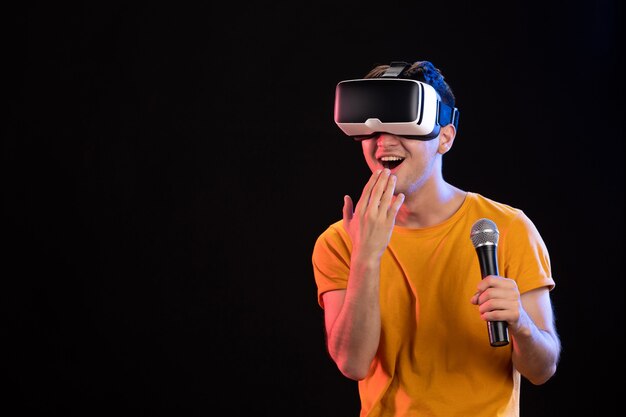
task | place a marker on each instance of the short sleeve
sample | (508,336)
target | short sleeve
(525,257)
(331,260)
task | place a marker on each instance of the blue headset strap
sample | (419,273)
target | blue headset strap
(447,115)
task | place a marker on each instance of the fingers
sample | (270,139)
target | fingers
(495,281)
(378,191)
(371,222)
(497,298)
(348,209)
(388,187)
(397,203)
(383,189)
(366,195)
(475,298)
(494,287)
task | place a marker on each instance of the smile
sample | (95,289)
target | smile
(391,162)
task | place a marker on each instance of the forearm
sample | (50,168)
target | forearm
(535,351)
(354,337)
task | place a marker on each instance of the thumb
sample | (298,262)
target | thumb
(347,208)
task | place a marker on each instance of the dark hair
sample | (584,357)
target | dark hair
(423,71)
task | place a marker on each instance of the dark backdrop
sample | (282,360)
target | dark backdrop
(167,170)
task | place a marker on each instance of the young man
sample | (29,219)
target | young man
(405,310)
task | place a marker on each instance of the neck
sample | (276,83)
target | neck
(431,205)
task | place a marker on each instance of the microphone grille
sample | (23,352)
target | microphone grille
(484,232)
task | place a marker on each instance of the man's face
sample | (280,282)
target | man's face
(412,161)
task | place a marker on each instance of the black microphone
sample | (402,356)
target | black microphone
(484,235)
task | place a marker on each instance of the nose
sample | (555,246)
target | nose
(386,139)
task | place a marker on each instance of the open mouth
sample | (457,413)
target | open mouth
(391,162)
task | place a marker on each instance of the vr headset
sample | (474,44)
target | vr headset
(403,107)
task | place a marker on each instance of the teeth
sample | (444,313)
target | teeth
(391,158)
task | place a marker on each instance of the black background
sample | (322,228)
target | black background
(168,168)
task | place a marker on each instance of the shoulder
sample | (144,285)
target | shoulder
(490,205)
(334,230)
(334,237)
(509,219)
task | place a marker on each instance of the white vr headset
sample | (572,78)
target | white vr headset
(403,107)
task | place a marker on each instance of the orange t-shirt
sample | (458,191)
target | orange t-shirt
(434,357)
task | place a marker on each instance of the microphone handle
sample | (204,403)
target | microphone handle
(498,330)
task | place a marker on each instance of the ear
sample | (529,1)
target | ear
(446,138)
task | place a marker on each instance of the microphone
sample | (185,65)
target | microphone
(484,236)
